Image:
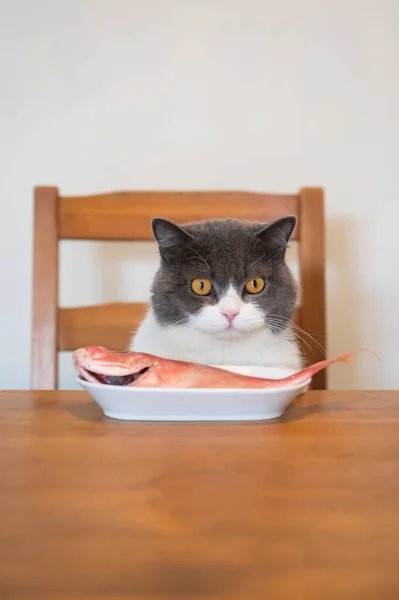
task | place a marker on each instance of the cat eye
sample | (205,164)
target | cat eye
(254,286)
(201,287)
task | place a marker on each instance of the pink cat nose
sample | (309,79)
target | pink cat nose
(230,314)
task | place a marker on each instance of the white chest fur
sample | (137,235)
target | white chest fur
(261,347)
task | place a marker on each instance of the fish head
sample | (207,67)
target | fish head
(100,365)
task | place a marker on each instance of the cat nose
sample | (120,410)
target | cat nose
(230,314)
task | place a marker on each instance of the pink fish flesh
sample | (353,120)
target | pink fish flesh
(99,365)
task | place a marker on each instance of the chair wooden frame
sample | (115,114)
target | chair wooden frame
(126,216)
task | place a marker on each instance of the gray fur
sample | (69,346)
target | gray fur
(223,251)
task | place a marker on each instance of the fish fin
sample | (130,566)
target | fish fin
(370,352)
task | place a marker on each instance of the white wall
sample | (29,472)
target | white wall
(265,95)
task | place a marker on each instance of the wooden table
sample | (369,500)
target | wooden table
(303,507)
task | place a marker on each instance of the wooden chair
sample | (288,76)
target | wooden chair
(126,216)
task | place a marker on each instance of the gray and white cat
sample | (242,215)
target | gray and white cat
(223,294)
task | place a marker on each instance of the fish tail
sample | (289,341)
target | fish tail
(303,375)
(319,366)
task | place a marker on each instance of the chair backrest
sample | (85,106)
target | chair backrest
(126,216)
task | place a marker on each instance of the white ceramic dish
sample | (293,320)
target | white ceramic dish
(199,404)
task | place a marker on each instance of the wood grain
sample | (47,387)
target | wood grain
(110,325)
(303,507)
(312,277)
(127,215)
(45,289)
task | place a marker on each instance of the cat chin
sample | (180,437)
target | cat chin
(227,334)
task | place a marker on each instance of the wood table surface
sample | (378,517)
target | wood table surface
(306,506)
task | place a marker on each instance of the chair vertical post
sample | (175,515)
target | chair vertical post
(312,273)
(44,359)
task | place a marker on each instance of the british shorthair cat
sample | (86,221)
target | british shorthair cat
(223,294)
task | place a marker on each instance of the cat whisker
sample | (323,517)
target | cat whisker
(201,257)
(177,323)
(294,338)
(270,255)
(300,332)
(256,261)
(291,322)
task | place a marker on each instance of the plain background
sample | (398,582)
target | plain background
(269,95)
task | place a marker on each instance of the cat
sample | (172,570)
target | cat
(223,294)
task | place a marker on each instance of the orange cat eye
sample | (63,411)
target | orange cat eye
(254,286)
(201,287)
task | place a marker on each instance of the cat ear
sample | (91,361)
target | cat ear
(278,231)
(169,236)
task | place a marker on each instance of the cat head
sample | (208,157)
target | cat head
(224,277)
